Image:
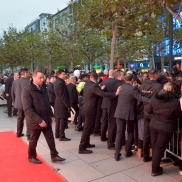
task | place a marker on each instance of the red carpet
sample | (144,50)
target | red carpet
(14,165)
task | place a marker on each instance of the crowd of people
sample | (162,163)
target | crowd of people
(138,111)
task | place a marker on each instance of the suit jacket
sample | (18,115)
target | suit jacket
(62,102)
(91,92)
(8,85)
(107,83)
(16,91)
(127,101)
(73,94)
(50,91)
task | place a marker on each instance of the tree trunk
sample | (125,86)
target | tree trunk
(162,58)
(50,64)
(71,56)
(114,28)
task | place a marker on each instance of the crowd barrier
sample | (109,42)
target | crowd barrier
(175,146)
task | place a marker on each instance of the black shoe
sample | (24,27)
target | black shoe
(10,116)
(78,129)
(66,127)
(64,139)
(6,111)
(157,173)
(15,114)
(129,154)
(56,137)
(35,160)
(96,134)
(90,146)
(57,159)
(20,135)
(147,159)
(111,148)
(117,157)
(103,140)
(85,151)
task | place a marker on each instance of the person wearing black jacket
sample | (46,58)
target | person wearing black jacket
(73,95)
(149,89)
(39,117)
(50,90)
(62,106)
(105,108)
(91,91)
(165,109)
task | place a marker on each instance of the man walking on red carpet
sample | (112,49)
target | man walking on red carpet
(39,117)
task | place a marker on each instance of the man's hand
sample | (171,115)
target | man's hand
(43,124)
(103,87)
(7,95)
(118,90)
(53,119)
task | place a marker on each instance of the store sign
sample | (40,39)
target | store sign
(139,65)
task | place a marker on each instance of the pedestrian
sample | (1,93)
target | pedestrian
(39,117)
(50,90)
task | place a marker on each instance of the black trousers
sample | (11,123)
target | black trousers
(76,108)
(112,128)
(159,141)
(61,124)
(87,131)
(146,139)
(20,122)
(9,105)
(34,136)
(104,123)
(121,126)
(97,124)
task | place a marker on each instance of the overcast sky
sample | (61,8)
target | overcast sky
(20,13)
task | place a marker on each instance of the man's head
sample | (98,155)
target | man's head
(38,77)
(128,78)
(16,76)
(178,66)
(111,73)
(24,72)
(61,74)
(83,77)
(52,78)
(94,76)
(179,76)
(153,74)
(119,75)
(72,79)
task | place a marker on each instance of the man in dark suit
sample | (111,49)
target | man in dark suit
(125,114)
(112,127)
(105,107)
(17,89)
(91,91)
(39,117)
(62,106)
(50,90)
(73,95)
(8,87)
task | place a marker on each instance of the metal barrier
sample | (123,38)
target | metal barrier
(175,146)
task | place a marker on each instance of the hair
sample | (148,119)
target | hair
(60,72)
(94,76)
(34,74)
(51,76)
(83,76)
(128,77)
(180,74)
(71,78)
(153,72)
(117,73)
(23,71)
(162,79)
(169,87)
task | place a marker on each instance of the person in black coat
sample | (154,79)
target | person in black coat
(62,106)
(126,114)
(50,90)
(8,87)
(91,91)
(165,109)
(73,95)
(105,108)
(39,117)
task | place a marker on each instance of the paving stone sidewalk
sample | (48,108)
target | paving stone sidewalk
(97,167)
